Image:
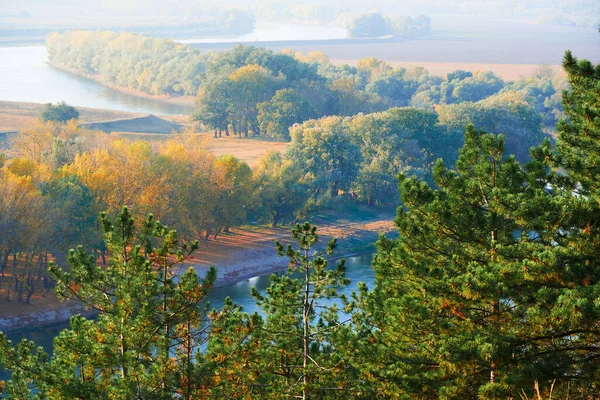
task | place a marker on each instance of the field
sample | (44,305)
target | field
(15,116)
(511,48)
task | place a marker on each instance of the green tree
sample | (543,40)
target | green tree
(70,208)
(368,25)
(323,149)
(291,351)
(487,292)
(452,292)
(61,112)
(214,103)
(280,190)
(508,113)
(277,115)
(142,343)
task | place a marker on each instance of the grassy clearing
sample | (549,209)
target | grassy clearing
(15,116)
(247,149)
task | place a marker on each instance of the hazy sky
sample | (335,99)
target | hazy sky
(64,10)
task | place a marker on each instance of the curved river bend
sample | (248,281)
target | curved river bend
(358,269)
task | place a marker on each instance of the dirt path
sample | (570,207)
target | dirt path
(238,255)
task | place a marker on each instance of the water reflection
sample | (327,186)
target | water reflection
(25,76)
(358,269)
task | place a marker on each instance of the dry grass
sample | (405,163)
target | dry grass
(247,149)
(15,116)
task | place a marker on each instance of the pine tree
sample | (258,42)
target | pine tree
(465,303)
(291,350)
(143,344)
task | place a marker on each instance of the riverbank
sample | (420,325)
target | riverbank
(184,101)
(237,256)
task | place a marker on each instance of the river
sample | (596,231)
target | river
(25,76)
(358,269)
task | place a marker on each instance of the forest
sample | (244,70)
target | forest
(253,89)
(489,292)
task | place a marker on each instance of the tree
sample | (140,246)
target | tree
(397,90)
(70,209)
(142,343)
(447,286)
(61,112)
(322,148)
(280,190)
(250,85)
(277,115)
(22,229)
(487,291)
(508,113)
(214,103)
(35,142)
(291,350)
(390,144)
(368,25)
(231,180)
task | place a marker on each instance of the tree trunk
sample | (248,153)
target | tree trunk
(306,324)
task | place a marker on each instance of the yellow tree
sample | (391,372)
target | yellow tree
(21,228)
(34,142)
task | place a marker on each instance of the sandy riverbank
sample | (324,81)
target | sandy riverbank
(237,256)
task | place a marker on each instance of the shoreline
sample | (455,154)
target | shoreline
(238,256)
(61,315)
(184,101)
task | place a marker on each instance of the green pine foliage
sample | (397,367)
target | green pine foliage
(291,350)
(142,344)
(491,289)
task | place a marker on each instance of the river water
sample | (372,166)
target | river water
(358,269)
(25,76)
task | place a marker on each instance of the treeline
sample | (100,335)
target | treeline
(489,292)
(375,25)
(250,89)
(154,66)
